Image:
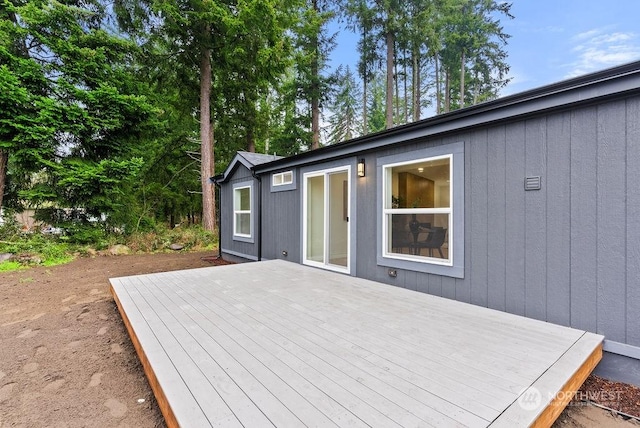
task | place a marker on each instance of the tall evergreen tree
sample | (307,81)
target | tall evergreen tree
(462,40)
(360,16)
(473,39)
(229,41)
(72,109)
(345,108)
(385,17)
(314,44)
(376,110)
(290,121)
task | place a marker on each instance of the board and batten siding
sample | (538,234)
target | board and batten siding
(281,222)
(235,247)
(568,253)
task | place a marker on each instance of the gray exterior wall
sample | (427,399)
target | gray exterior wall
(229,245)
(568,253)
(281,221)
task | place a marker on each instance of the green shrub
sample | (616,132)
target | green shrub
(35,249)
(83,238)
(10,228)
(85,234)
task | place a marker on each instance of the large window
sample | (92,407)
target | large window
(417,211)
(420,202)
(242,212)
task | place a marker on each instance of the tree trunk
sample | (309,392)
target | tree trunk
(389,90)
(315,88)
(397,90)
(21,50)
(438,88)
(406,89)
(206,136)
(251,141)
(315,122)
(250,102)
(365,126)
(4,161)
(476,87)
(415,83)
(462,80)
(447,92)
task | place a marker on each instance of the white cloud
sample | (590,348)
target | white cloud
(598,49)
(587,34)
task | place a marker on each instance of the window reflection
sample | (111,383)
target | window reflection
(418,209)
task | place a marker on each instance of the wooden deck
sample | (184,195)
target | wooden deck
(280,344)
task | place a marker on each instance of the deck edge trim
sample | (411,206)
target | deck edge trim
(560,401)
(163,403)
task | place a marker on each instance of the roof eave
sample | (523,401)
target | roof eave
(611,82)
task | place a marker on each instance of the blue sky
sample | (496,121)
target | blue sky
(554,40)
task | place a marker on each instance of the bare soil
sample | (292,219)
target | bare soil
(66,359)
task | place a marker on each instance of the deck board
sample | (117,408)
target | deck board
(280,344)
(363,358)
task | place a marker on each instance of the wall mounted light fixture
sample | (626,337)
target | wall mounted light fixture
(361,168)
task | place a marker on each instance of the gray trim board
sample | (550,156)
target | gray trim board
(253,208)
(458,238)
(239,254)
(622,349)
(283,187)
(240,175)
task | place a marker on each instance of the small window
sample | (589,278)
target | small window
(242,211)
(282,178)
(417,210)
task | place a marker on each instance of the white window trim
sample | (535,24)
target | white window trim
(235,212)
(458,187)
(282,175)
(386,185)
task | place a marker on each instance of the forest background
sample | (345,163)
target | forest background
(114,114)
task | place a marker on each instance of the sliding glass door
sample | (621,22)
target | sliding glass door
(326,219)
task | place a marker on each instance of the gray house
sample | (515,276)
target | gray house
(528,204)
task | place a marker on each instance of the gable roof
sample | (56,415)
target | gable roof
(257,158)
(619,81)
(248,159)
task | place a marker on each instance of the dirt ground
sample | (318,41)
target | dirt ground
(67,361)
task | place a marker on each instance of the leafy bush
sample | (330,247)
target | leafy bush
(35,249)
(47,247)
(85,234)
(9,228)
(85,238)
